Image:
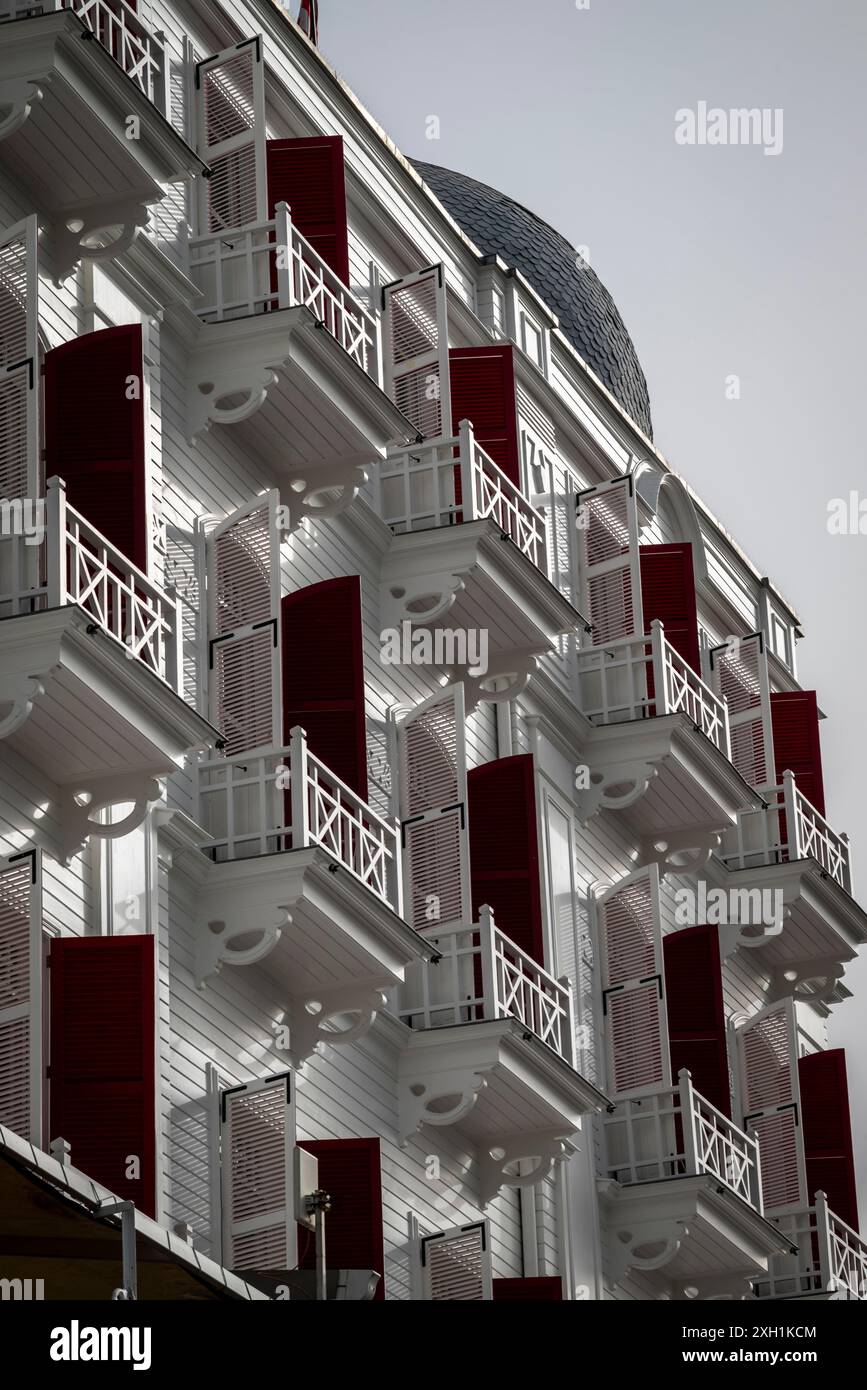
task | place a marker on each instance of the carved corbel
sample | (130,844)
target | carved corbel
(81,802)
(343,477)
(614,788)
(251,383)
(543,1149)
(789,980)
(419,601)
(17,99)
(75,237)
(20,693)
(517,667)
(681,851)
(649,1247)
(309,1014)
(214,944)
(443,1100)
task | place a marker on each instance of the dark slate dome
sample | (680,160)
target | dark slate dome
(587,313)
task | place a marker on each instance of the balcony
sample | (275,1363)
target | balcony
(661,741)
(682,1193)
(492,1049)
(789,848)
(61,96)
(826,1260)
(279,340)
(300,875)
(469,552)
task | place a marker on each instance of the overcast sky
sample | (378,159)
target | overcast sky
(723,260)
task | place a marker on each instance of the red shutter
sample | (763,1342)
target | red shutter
(323,675)
(541,1290)
(349,1171)
(504,852)
(308,175)
(696,1017)
(483,392)
(95,434)
(795,720)
(668,595)
(102,1059)
(828,1131)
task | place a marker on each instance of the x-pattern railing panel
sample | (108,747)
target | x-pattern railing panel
(120,30)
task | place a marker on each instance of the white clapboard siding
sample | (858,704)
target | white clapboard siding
(257,1139)
(433,810)
(630,939)
(739,674)
(244,610)
(416,349)
(771,1098)
(21,995)
(230,137)
(19,361)
(456,1264)
(610,575)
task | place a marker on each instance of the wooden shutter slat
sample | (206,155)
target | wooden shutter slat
(230,134)
(102,1059)
(309,175)
(668,596)
(350,1172)
(456,1265)
(695,1011)
(797,748)
(433,809)
(633,994)
(482,382)
(415,349)
(504,850)
(828,1131)
(768,1053)
(739,675)
(21,995)
(20,472)
(258,1135)
(608,555)
(323,675)
(95,433)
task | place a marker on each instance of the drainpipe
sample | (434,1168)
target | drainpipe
(129,1291)
(505,743)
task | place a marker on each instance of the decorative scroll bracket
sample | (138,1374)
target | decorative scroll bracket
(543,1148)
(455,1091)
(17,99)
(81,801)
(646,1248)
(310,1011)
(214,947)
(681,851)
(74,236)
(788,981)
(438,593)
(345,477)
(518,667)
(614,788)
(20,693)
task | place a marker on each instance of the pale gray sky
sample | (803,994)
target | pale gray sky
(721,260)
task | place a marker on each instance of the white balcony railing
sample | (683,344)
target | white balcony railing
(446,481)
(51,556)
(827,1256)
(140,51)
(638,677)
(676,1133)
(481,974)
(789,828)
(285,798)
(269,266)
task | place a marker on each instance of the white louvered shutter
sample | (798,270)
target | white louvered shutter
(771,1096)
(609,568)
(244,616)
(416,350)
(433,809)
(19,362)
(257,1137)
(633,993)
(230,135)
(456,1264)
(21,996)
(739,674)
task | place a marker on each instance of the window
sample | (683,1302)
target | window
(780,636)
(123,877)
(533,340)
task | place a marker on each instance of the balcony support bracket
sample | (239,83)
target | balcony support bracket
(310,1014)
(215,948)
(81,801)
(541,1149)
(515,668)
(119,220)
(421,600)
(443,1098)
(17,99)
(615,787)
(821,976)
(645,1247)
(231,369)
(684,850)
(20,693)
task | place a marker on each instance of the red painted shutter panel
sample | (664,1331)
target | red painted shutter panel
(828,1131)
(309,175)
(323,675)
(668,595)
(102,1088)
(95,435)
(349,1170)
(548,1289)
(696,1016)
(795,721)
(483,392)
(504,852)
